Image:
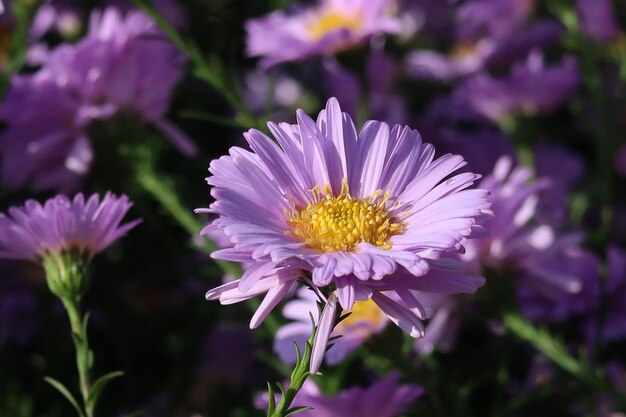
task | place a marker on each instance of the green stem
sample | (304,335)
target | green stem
(66,275)
(162,191)
(84,355)
(298,377)
(210,72)
(23,12)
(556,352)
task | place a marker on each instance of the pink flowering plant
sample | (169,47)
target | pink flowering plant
(412,208)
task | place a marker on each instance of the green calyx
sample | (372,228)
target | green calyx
(66,273)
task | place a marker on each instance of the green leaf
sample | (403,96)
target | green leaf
(554,349)
(98,386)
(295,410)
(66,393)
(271,403)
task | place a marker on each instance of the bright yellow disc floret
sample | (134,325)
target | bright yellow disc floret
(339,223)
(328,21)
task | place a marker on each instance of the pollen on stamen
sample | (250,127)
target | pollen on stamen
(341,222)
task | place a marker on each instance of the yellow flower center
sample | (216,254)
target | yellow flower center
(463,50)
(339,223)
(327,21)
(362,312)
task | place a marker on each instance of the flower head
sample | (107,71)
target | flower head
(597,19)
(370,215)
(488,33)
(331,26)
(35,231)
(530,88)
(535,253)
(125,65)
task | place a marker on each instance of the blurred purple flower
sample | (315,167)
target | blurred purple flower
(329,27)
(385,102)
(409,212)
(34,231)
(384,398)
(464,59)
(124,65)
(342,84)
(530,88)
(597,19)
(544,302)
(59,15)
(62,17)
(492,18)
(429,18)
(488,33)
(531,252)
(171,10)
(539,35)
(553,204)
(285,93)
(441,330)
(365,320)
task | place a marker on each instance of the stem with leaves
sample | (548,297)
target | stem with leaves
(67,279)
(298,377)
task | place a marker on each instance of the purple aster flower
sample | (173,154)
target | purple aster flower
(553,205)
(530,88)
(61,16)
(329,27)
(365,319)
(488,33)
(531,252)
(34,231)
(384,398)
(370,214)
(431,18)
(124,65)
(463,60)
(597,19)
(444,323)
(285,92)
(541,301)
(493,18)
